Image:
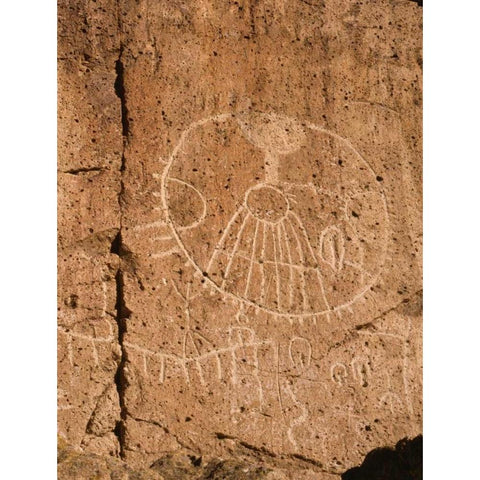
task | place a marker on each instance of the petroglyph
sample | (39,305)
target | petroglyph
(369,370)
(400,394)
(390,400)
(197,348)
(237,217)
(338,372)
(185,360)
(361,371)
(293,246)
(297,421)
(91,339)
(300,352)
(269,379)
(332,247)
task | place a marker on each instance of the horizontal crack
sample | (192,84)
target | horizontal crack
(275,460)
(307,460)
(262,450)
(77,171)
(395,307)
(165,429)
(353,332)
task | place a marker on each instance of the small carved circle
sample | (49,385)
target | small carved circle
(267,203)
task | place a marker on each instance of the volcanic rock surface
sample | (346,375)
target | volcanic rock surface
(239,219)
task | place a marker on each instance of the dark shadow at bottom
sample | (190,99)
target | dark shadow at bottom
(404,462)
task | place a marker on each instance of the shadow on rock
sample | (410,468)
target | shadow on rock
(188,467)
(404,462)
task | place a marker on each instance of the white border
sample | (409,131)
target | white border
(28,239)
(452,240)
(452,210)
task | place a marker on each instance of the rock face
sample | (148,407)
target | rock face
(75,465)
(240,231)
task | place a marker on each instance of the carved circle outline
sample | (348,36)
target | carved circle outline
(222,118)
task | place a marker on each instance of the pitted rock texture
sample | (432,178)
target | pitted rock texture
(73,463)
(78,465)
(240,231)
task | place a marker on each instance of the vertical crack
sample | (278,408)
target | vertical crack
(120,91)
(122,316)
(117,248)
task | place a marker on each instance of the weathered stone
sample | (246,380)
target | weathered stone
(178,465)
(88,350)
(240,232)
(90,145)
(75,465)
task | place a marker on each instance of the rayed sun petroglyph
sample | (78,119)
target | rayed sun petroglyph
(300,238)
(240,238)
(284,221)
(262,220)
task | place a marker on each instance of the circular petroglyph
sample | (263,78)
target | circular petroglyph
(279,214)
(267,203)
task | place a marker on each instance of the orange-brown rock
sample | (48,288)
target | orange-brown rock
(77,465)
(240,231)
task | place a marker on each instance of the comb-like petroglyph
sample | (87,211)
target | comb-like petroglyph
(240,231)
(293,393)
